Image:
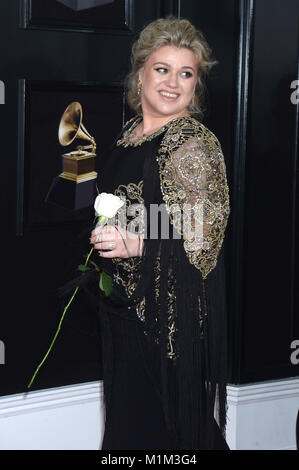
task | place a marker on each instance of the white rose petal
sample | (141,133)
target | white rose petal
(107,205)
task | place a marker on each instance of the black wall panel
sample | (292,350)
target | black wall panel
(272,139)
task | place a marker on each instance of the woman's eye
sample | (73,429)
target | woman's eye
(187,74)
(161,70)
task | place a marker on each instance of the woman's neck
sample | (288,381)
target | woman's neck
(150,124)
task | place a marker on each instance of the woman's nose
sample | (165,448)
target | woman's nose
(172,80)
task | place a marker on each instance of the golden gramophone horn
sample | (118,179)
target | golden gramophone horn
(71,127)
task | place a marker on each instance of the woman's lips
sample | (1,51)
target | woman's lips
(169,96)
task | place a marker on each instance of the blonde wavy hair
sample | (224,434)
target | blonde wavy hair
(170,32)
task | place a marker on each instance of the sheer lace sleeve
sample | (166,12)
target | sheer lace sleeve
(195,191)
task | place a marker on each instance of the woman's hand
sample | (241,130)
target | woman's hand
(114,242)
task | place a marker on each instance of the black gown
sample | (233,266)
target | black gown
(134,417)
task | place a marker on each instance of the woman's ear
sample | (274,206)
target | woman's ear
(140,74)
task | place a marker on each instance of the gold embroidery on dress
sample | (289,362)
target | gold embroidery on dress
(127,269)
(172,353)
(128,139)
(127,272)
(132,191)
(193,183)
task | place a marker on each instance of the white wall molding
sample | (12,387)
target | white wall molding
(260,416)
(62,418)
(257,392)
(36,401)
(263,415)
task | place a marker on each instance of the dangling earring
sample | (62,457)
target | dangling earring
(139,87)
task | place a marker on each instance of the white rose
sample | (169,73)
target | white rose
(107,205)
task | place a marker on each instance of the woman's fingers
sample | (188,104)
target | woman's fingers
(98,236)
(106,233)
(108,254)
(114,242)
(106,245)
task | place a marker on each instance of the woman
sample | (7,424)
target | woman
(163,327)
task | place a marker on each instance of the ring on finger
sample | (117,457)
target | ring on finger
(111,245)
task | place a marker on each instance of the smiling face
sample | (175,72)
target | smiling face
(168,80)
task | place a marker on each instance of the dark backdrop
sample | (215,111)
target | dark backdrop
(250,111)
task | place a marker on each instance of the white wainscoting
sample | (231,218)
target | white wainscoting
(62,418)
(260,416)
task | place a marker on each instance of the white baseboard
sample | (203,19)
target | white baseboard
(62,418)
(260,416)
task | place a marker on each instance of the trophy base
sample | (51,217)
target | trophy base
(72,195)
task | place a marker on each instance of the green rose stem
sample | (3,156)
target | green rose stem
(101,221)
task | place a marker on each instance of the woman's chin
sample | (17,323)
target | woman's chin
(169,110)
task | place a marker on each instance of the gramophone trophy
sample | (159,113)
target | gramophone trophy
(75,187)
